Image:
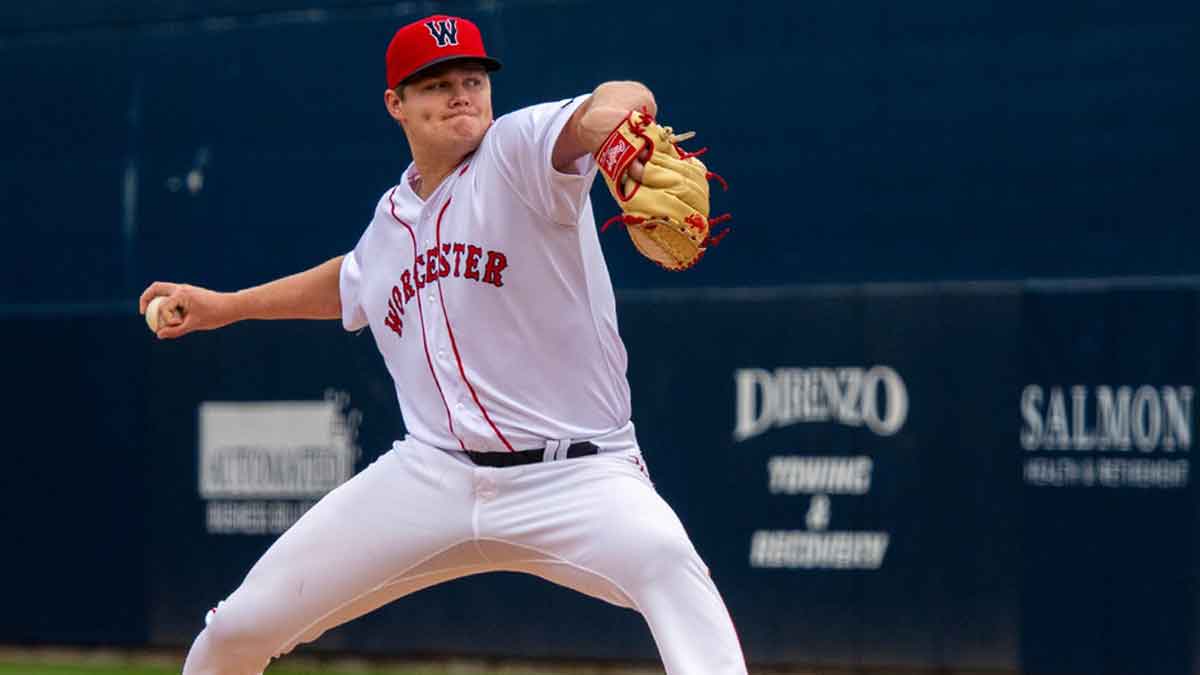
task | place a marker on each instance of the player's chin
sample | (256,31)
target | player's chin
(466,127)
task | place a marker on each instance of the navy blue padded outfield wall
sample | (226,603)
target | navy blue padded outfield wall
(229,142)
(939,477)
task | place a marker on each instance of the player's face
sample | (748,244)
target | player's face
(450,107)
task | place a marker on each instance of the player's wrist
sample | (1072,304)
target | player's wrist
(239,306)
(608,106)
(598,123)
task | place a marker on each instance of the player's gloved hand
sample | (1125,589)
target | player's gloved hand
(187,308)
(662,190)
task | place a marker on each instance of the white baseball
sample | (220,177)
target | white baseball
(152,312)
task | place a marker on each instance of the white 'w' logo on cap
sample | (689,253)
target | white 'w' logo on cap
(444,31)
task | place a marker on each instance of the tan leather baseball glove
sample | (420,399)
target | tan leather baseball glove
(666,213)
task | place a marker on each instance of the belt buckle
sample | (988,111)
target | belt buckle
(556,449)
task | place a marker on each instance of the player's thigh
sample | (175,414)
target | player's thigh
(459,561)
(405,511)
(602,522)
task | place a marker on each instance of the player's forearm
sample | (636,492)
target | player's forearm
(311,294)
(609,104)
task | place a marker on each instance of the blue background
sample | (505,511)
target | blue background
(863,141)
(877,155)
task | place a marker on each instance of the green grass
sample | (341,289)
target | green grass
(121,669)
(72,661)
(59,669)
(118,667)
(44,669)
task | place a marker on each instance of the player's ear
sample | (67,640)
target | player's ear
(395,105)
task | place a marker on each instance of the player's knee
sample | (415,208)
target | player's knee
(237,636)
(664,553)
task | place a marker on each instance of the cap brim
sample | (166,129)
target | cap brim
(489,64)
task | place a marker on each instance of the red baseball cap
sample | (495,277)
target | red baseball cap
(433,40)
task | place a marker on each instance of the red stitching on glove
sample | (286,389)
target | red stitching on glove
(712,174)
(624,219)
(713,241)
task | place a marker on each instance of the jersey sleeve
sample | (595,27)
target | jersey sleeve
(523,145)
(351,276)
(350,288)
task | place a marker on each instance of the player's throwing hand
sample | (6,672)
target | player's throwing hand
(186,309)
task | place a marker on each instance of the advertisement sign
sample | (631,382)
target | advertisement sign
(1105,424)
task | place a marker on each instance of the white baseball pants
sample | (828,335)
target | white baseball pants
(419,516)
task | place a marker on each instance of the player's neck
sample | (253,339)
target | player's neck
(431,171)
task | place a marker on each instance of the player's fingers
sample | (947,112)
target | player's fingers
(636,170)
(173,315)
(154,290)
(174,328)
(175,308)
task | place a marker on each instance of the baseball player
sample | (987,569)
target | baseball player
(481,278)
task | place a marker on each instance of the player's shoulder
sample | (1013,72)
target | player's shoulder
(392,197)
(383,206)
(539,110)
(529,118)
(385,210)
(384,203)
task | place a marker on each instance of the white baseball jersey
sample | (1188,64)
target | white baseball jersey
(491,302)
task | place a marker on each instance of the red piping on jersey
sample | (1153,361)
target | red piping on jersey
(421,316)
(454,343)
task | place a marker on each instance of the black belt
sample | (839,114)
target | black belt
(519,457)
